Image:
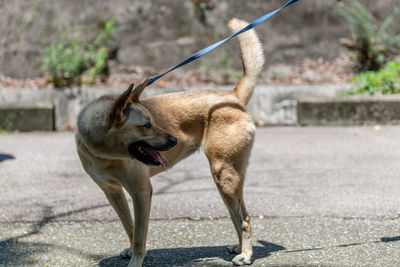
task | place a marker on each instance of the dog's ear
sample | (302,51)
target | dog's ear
(118,106)
(135,95)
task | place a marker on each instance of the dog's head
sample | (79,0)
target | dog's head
(132,129)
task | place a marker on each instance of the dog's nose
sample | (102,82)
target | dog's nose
(172,140)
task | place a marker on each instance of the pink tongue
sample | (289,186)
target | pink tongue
(157,156)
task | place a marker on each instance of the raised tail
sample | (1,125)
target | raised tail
(252,55)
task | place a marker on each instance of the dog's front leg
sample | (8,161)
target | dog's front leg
(141,205)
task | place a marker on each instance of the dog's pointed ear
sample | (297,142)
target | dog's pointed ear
(119,104)
(135,95)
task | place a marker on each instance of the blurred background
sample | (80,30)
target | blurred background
(103,44)
(153,35)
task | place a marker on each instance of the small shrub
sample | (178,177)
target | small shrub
(384,81)
(70,59)
(6,128)
(372,45)
(64,61)
(98,53)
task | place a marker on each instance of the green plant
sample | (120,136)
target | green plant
(200,8)
(372,45)
(70,59)
(64,61)
(384,81)
(6,128)
(201,5)
(99,64)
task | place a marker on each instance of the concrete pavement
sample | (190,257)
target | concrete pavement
(308,241)
(328,197)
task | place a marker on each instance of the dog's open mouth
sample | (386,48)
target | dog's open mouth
(147,154)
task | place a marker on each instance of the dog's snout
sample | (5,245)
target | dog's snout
(172,140)
(168,142)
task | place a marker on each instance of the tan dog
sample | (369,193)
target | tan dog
(119,139)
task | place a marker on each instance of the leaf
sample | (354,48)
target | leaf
(67,60)
(387,23)
(394,41)
(371,46)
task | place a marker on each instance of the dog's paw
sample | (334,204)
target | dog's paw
(241,259)
(235,249)
(126,253)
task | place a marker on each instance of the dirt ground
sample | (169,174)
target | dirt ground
(306,71)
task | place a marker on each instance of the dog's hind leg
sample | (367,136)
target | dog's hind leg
(227,148)
(227,176)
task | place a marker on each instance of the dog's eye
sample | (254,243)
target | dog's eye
(148,125)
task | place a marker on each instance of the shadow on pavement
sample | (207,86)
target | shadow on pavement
(382,240)
(17,252)
(390,239)
(204,255)
(14,253)
(200,255)
(4,157)
(21,253)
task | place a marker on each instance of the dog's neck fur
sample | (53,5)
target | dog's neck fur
(92,124)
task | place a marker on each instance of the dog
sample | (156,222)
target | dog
(123,141)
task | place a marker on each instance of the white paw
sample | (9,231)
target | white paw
(126,253)
(136,262)
(241,259)
(235,249)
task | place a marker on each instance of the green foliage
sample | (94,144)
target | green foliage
(201,6)
(100,64)
(97,53)
(384,81)
(64,61)
(68,60)
(6,128)
(374,44)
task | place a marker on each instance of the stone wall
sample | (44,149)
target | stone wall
(269,105)
(160,33)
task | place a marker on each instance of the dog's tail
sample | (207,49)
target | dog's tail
(251,52)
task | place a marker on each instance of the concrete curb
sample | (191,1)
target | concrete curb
(27,116)
(354,110)
(269,105)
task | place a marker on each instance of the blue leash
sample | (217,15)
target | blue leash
(213,46)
